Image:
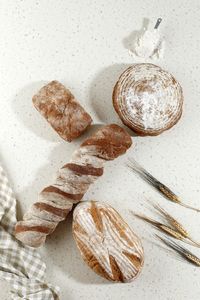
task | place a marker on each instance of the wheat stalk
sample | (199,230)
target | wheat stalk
(175,224)
(185,253)
(164,228)
(163,189)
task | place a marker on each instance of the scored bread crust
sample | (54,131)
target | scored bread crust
(72,181)
(145,78)
(106,242)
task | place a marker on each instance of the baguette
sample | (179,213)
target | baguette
(73,180)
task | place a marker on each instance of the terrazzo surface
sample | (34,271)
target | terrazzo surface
(84,45)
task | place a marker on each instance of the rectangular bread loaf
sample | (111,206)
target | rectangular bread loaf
(60,108)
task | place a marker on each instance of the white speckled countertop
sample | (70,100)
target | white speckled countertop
(83,44)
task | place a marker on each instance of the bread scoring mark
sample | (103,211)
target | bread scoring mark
(24,228)
(78,229)
(84,170)
(96,215)
(119,226)
(136,261)
(117,274)
(91,260)
(117,254)
(61,212)
(53,189)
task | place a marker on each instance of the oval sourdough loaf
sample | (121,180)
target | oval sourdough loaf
(106,242)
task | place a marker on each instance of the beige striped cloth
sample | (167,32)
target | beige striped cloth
(20,265)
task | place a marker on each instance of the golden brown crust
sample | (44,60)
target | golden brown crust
(96,216)
(61,212)
(106,242)
(62,110)
(22,228)
(133,258)
(84,170)
(92,261)
(117,274)
(111,143)
(53,189)
(120,228)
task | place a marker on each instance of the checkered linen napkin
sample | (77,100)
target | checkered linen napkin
(20,265)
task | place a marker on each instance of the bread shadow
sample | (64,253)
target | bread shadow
(27,114)
(100,96)
(128,41)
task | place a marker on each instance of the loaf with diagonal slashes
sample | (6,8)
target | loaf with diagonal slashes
(106,242)
(73,180)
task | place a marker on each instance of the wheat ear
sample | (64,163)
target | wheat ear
(185,253)
(164,228)
(175,224)
(163,189)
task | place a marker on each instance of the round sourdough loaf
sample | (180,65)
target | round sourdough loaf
(148,99)
(106,242)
